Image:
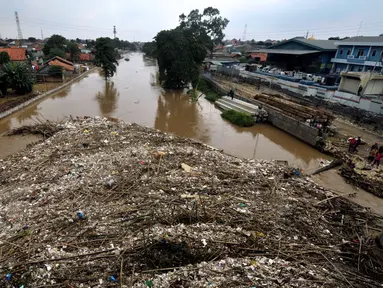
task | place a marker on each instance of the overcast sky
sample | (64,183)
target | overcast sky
(141,20)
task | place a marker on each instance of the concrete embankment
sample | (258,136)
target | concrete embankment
(34,99)
(284,122)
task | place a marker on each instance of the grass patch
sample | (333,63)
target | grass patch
(206,88)
(238,118)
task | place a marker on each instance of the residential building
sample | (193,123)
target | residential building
(16,54)
(58,61)
(359,54)
(361,90)
(300,54)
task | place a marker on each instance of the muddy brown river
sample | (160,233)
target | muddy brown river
(132,95)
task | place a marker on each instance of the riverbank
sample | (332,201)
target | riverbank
(103,203)
(21,102)
(336,145)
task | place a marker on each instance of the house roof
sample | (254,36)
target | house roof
(285,51)
(86,57)
(16,54)
(316,44)
(362,40)
(83,57)
(58,61)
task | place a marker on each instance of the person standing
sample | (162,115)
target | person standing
(351,143)
(231,94)
(357,143)
(377,159)
(371,156)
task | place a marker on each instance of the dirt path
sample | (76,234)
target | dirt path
(350,129)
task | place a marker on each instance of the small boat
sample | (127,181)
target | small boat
(127,59)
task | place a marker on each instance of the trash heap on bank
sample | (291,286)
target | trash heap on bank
(107,204)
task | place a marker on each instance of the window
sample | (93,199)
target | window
(360,68)
(340,51)
(373,53)
(348,52)
(360,52)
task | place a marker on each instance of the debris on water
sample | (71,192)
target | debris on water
(163,223)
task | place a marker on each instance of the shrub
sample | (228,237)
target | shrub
(206,88)
(211,96)
(238,118)
(19,77)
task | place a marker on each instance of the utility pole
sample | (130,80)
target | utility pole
(114,31)
(360,26)
(19,34)
(307,34)
(244,33)
(42,35)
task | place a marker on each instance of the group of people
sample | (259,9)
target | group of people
(376,154)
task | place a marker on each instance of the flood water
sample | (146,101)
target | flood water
(132,96)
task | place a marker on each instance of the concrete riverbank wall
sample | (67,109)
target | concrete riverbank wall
(33,100)
(277,118)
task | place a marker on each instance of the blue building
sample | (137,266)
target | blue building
(359,54)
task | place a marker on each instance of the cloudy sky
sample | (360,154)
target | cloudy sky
(141,20)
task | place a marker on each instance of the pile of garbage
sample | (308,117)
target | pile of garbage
(103,203)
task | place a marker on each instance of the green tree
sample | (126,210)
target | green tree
(181,51)
(73,50)
(56,52)
(56,43)
(209,23)
(4,58)
(3,83)
(149,49)
(106,56)
(19,77)
(32,39)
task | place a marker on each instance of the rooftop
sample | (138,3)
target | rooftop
(366,40)
(284,51)
(322,44)
(317,44)
(16,54)
(58,61)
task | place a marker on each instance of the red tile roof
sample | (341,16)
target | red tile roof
(86,57)
(83,57)
(58,61)
(16,54)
